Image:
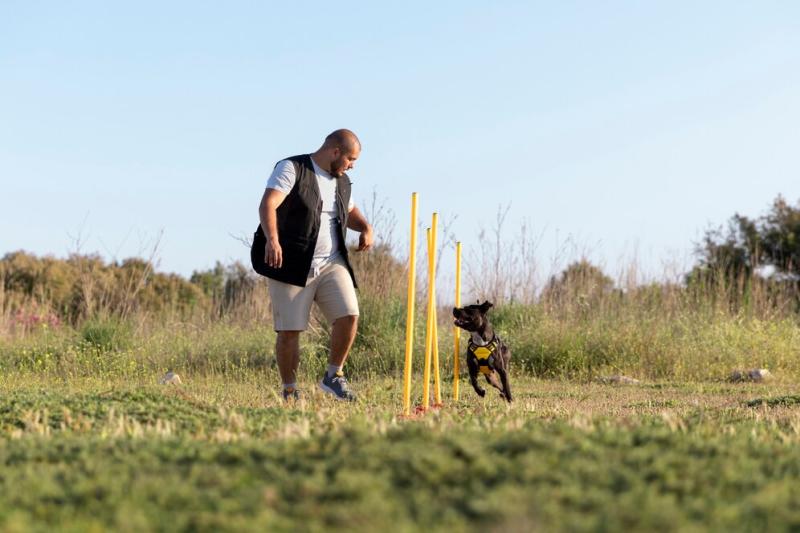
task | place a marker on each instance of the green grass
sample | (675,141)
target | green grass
(223,453)
(692,345)
(90,441)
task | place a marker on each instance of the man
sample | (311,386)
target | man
(305,212)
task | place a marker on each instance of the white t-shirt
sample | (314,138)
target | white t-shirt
(282,179)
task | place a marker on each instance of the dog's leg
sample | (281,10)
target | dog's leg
(506,390)
(493,381)
(472,366)
(502,369)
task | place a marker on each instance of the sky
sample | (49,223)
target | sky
(615,130)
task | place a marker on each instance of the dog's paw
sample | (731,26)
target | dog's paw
(481,392)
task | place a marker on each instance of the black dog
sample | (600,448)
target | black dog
(486,353)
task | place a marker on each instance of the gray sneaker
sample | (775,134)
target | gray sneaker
(338,386)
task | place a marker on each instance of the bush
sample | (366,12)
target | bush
(110,334)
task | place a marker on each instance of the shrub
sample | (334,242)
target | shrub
(109,334)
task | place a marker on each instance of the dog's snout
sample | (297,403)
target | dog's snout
(455,312)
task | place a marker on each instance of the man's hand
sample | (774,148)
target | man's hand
(357,221)
(365,239)
(273,254)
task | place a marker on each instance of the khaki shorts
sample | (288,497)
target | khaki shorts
(332,289)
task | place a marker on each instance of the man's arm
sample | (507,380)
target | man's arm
(356,221)
(267,212)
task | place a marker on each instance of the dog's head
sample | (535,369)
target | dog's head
(472,317)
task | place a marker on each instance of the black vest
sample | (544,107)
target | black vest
(298,226)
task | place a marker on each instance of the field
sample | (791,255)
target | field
(224,453)
(89,441)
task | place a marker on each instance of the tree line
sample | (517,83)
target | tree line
(744,255)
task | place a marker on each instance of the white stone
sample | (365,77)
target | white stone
(170,378)
(759,374)
(618,379)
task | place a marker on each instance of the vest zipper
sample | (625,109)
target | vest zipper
(342,212)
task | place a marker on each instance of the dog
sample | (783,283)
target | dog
(486,353)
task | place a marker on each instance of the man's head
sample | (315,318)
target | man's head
(339,152)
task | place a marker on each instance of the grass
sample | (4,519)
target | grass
(223,453)
(692,345)
(90,442)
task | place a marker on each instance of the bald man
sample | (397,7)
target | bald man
(305,212)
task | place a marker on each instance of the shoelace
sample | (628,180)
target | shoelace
(342,381)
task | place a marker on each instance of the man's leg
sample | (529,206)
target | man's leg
(336,297)
(287,352)
(290,309)
(343,334)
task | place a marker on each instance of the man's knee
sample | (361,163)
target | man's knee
(347,320)
(286,337)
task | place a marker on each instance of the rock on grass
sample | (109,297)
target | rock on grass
(170,378)
(618,379)
(755,375)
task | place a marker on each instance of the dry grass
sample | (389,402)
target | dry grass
(582,404)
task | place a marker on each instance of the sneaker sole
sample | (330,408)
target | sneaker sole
(330,391)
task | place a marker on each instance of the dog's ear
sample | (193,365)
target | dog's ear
(486,305)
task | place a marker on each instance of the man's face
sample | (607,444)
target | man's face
(344,161)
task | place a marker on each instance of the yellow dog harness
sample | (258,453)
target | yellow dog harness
(483,353)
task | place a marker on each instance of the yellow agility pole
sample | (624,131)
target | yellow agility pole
(412,277)
(456,330)
(426,369)
(437,389)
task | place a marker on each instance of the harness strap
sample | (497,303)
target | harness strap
(483,353)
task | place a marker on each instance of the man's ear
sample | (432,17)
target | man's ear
(486,305)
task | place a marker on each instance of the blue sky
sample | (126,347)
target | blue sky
(616,129)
